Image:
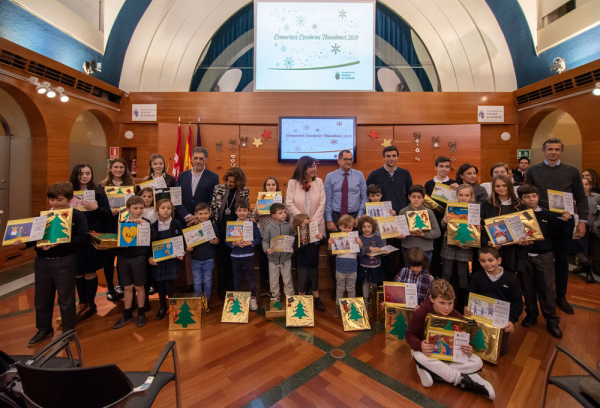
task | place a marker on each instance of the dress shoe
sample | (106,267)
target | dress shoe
(319,304)
(554,330)
(119,291)
(141,321)
(111,296)
(40,336)
(161,314)
(589,278)
(563,305)
(89,312)
(151,290)
(529,321)
(124,321)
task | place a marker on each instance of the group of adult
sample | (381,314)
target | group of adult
(342,192)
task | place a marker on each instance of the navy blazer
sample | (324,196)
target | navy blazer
(203,194)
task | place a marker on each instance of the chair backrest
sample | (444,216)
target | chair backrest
(92,387)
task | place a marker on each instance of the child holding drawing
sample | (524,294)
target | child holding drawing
(371,265)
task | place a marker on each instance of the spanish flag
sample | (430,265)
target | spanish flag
(187,163)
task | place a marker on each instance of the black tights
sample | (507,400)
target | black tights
(164,288)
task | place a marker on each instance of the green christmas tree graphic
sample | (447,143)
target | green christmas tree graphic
(300,311)
(120,191)
(184,317)
(449,326)
(54,230)
(235,308)
(479,341)
(463,234)
(277,305)
(419,223)
(354,313)
(399,327)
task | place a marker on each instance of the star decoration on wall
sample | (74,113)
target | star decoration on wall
(257,142)
(266,134)
(387,142)
(374,134)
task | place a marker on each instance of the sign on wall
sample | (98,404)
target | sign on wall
(143,112)
(490,114)
(523,154)
(114,153)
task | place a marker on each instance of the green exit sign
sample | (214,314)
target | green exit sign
(523,154)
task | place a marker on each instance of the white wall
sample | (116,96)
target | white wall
(88,145)
(561,125)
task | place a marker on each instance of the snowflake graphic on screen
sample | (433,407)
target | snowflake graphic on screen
(342,14)
(334,141)
(295,130)
(286,27)
(317,130)
(339,123)
(314,26)
(297,148)
(306,127)
(288,62)
(300,20)
(335,48)
(283,48)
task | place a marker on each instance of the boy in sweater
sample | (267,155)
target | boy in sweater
(463,375)
(280,263)
(242,254)
(423,240)
(496,282)
(537,282)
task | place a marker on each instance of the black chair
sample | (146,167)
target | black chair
(570,383)
(47,356)
(97,387)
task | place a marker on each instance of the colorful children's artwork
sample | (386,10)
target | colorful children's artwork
(344,243)
(499,233)
(446,344)
(396,322)
(462,233)
(379,209)
(418,220)
(443,193)
(167,248)
(458,211)
(389,226)
(282,243)
(530,228)
(132,234)
(25,230)
(186,312)
(80,196)
(266,199)
(299,311)
(489,310)
(354,314)
(239,231)
(560,201)
(307,234)
(199,234)
(399,294)
(58,227)
(117,196)
(236,308)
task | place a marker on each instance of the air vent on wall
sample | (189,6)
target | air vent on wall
(13,60)
(563,86)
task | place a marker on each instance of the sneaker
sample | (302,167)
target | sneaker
(253,304)
(554,330)
(123,322)
(119,291)
(336,312)
(141,321)
(477,385)
(426,378)
(563,305)
(151,290)
(90,312)
(40,336)
(161,314)
(529,321)
(319,304)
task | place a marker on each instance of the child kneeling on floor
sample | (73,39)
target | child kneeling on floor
(463,375)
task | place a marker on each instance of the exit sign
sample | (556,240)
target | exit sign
(523,154)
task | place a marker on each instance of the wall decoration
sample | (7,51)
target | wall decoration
(387,142)
(374,134)
(257,142)
(436,143)
(266,134)
(233,160)
(219,146)
(453,149)
(417,140)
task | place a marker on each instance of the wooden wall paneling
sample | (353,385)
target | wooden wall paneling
(494,149)
(143,136)
(468,148)
(370,152)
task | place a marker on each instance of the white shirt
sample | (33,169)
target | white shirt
(437,180)
(495,278)
(392,171)
(164,226)
(196,180)
(506,202)
(149,214)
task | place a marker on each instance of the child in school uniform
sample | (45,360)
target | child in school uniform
(147,193)
(203,256)
(345,265)
(371,265)
(374,195)
(537,281)
(416,271)
(499,283)
(280,263)
(242,254)
(132,268)
(457,257)
(463,375)
(307,263)
(165,272)
(55,268)
(423,240)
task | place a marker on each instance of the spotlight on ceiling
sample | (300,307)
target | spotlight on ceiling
(596,90)
(43,87)
(90,67)
(51,93)
(558,65)
(61,91)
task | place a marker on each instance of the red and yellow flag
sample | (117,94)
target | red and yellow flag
(187,164)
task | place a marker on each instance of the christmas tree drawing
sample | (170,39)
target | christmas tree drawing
(449,326)
(300,311)
(399,327)
(354,313)
(55,229)
(419,223)
(463,234)
(479,341)
(277,305)
(184,317)
(235,308)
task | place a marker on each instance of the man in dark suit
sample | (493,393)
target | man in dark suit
(197,186)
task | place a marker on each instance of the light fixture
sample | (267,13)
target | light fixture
(505,136)
(558,65)
(596,90)
(43,87)
(61,91)
(90,67)
(51,93)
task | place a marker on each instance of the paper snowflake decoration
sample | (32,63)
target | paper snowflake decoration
(335,48)
(300,20)
(334,141)
(306,127)
(288,62)
(286,27)
(339,123)
(314,26)
(342,14)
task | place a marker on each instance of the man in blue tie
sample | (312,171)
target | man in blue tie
(345,190)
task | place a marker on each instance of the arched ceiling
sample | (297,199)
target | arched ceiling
(464,40)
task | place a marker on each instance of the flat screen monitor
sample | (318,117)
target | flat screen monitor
(319,137)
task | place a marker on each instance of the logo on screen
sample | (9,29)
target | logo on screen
(337,75)
(335,156)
